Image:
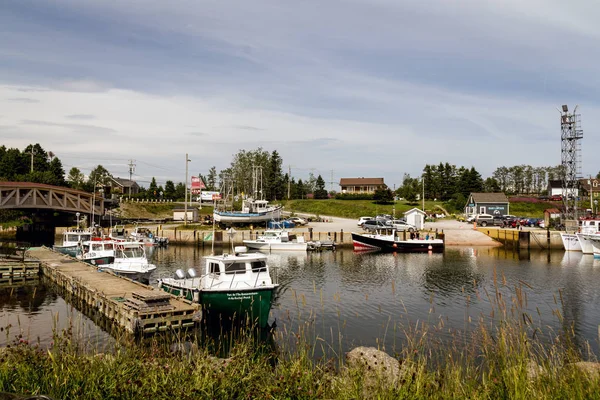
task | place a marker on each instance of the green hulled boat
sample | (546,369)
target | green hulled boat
(231,286)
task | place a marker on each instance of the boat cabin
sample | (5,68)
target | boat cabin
(75,236)
(129,250)
(255,206)
(241,271)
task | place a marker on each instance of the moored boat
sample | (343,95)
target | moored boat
(131,261)
(230,286)
(387,241)
(98,251)
(277,239)
(71,240)
(570,241)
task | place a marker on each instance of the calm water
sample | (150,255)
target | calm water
(364,299)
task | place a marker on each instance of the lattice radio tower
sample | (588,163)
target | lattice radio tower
(570,154)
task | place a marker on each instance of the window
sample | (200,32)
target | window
(213,268)
(259,266)
(236,268)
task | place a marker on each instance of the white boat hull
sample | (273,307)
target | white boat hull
(585,243)
(570,242)
(241,217)
(287,246)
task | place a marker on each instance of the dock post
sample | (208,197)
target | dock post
(524,239)
(341,236)
(310,233)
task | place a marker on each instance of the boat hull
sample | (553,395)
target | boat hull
(369,243)
(98,261)
(585,243)
(267,246)
(570,242)
(254,303)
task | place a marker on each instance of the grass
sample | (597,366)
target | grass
(505,355)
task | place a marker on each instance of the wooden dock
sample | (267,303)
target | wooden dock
(132,306)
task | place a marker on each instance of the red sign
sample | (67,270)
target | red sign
(197,185)
(216,196)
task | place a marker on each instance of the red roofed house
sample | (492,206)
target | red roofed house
(361,185)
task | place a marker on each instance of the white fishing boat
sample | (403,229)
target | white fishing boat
(570,241)
(230,286)
(277,239)
(71,240)
(118,233)
(131,261)
(253,211)
(589,228)
(98,251)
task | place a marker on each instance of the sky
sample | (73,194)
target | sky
(341,88)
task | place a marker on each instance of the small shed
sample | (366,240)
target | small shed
(192,215)
(415,217)
(487,203)
(551,213)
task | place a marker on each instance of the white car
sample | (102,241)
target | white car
(298,220)
(362,220)
(402,226)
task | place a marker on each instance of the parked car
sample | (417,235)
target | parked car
(362,220)
(484,219)
(298,220)
(471,218)
(373,225)
(401,226)
(556,197)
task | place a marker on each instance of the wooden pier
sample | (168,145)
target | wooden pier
(132,306)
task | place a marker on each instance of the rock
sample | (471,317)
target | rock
(376,364)
(534,370)
(592,369)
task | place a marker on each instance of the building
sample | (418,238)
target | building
(125,187)
(361,185)
(590,187)
(179,214)
(415,217)
(487,203)
(555,188)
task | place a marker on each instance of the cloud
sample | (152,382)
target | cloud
(23,100)
(81,116)
(74,128)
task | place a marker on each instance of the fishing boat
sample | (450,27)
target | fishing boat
(144,235)
(277,239)
(71,240)
(97,251)
(253,211)
(131,261)
(581,240)
(232,286)
(385,240)
(118,233)
(570,241)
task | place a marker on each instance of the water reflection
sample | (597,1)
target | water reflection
(349,298)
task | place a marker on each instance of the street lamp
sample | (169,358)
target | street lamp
(187,160)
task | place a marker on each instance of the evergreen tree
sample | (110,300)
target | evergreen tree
(274,184)
(169,190)
(76,179)
(57,171)
(383,195)
(211,180)
(153,189)
(320,192)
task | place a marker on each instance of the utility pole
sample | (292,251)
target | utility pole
(131,171)
(289,179)
(331,182)
(32,152)
(185,217)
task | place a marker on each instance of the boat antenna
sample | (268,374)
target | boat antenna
(212,249)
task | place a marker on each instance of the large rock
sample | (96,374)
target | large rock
(592,369)
(376,365)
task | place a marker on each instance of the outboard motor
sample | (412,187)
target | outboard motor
(191,273)
(180,274)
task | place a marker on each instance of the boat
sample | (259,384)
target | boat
(97,251)
(118,233)
(385,240)
(581,240)
(145,235)
(71,240)
(570,241)
(253,211)
(230,286)
(131,261)
(277,239)
(319,245)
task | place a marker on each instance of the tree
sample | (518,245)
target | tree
(320,192)
(76,179)
(409,188)
(169,190)
(274,182)
(383,195)
(211,179)
(153,189)
(57,171)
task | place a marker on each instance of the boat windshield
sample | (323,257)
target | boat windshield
(102,246)
(76,237)
(130,252)
(236,268)
(259,266)
(271,234)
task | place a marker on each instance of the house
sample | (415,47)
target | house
(415,217)
(590,187)
(487,203)
(555,188)
(361,185)
(123,186)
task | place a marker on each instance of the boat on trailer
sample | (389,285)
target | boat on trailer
(230,286)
